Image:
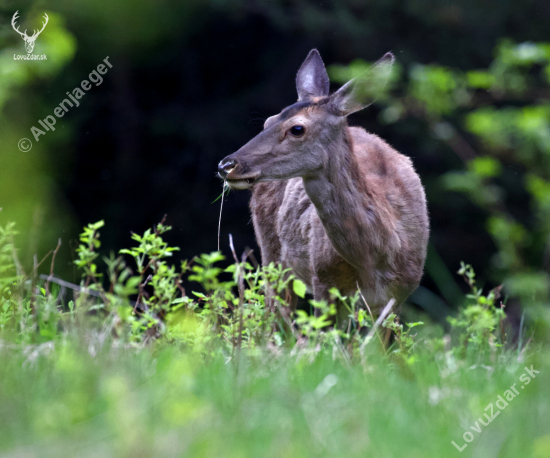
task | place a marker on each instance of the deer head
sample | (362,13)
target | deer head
(29,41)
(297,141)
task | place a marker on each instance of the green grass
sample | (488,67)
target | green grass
(165,402)
(223,375)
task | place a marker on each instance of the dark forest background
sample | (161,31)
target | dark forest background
(193,81)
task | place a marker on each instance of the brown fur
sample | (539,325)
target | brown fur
(337,205)
(284,215)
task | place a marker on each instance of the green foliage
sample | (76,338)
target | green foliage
(204,271)
(28,194)
(135,366)
(438,89)
(404,339)
(8,274)
(141,373)
(230,355)
(238,307)
(152,248)
(86,251)
(476,323)
(65,399)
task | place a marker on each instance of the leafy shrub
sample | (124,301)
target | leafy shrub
(139,302)
(479,324)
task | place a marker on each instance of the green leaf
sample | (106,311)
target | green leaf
(412,325)
(299,288)
(179,300)
(480,79)
(485,166)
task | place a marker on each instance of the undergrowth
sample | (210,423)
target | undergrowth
(136,298)
(129,363)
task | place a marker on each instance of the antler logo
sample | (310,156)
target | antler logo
(29,41)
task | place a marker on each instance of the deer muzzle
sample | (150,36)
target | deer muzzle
(230,170)
(225,167)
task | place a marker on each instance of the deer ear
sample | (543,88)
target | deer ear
(364,90)
(312,79)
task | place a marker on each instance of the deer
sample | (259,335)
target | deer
(335,204)
(29,41)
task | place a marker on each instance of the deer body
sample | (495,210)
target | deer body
(336,204)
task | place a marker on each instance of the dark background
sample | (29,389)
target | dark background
(193,81)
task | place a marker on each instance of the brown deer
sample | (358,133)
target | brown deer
(336,204)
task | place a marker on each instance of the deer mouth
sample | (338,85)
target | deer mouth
(244,182)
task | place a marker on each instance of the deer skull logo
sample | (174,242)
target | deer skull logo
(29,41)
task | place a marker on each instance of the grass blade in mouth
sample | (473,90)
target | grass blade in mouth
(225,187)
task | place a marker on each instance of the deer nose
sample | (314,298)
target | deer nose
(225,167)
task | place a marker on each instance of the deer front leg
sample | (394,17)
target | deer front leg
(287,303)
(320,290)
(320,293)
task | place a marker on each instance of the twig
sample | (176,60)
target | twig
(178,285)
(52,264)
(255,262)
(520,338)
(43,259)
(161,223)
(88,291)
(520,356)
(267,289)
(66,284)
(370,313)
(376,325)
(338,342)
(18,267)
(240,283)
(147,280)
(232,248)
(268,306)
(33,282)
(501,322)
(387,339)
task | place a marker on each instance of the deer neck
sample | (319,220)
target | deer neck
(344,201)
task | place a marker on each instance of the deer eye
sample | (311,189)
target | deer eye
(297,131)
